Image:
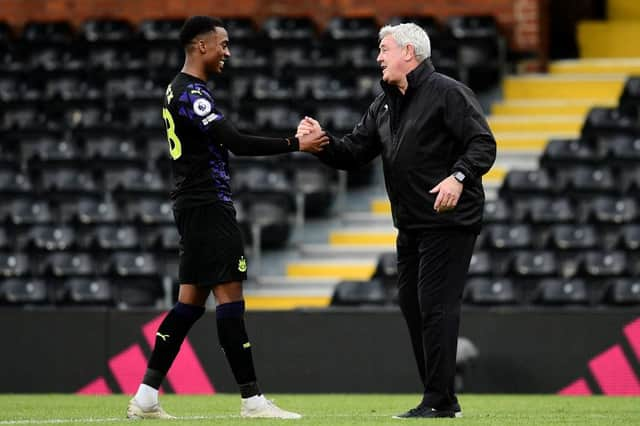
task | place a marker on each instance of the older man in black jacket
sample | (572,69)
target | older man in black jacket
(435,145)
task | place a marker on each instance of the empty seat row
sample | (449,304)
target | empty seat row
(574,181)
(123,292)
(501,291)
(542,210)
(523,264)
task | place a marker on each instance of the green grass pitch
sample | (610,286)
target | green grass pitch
(331,409)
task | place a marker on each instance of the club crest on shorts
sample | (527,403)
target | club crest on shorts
(242,264)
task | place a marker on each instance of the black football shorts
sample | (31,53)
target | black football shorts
(211,246)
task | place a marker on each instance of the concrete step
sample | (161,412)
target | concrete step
(354,251)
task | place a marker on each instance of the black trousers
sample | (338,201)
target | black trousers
(432,270)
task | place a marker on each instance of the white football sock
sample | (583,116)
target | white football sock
(146,397)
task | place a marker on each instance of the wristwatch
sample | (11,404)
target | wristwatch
(459,176)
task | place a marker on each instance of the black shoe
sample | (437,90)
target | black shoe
(423,412)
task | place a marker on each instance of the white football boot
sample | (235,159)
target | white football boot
(260,407)
(135,411)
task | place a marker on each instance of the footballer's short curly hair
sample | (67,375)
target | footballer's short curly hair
(197,25)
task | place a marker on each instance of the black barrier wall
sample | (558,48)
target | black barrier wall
(537,351)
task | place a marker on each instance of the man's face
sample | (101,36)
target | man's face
(392,59)
(216,50)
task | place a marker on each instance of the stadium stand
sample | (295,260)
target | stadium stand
(86,181)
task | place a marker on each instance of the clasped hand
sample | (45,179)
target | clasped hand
(311,136)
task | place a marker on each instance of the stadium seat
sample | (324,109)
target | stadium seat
(153,30)
(46,32)
(5,240)
(126,264)
(588,181)
(276,119)
(554,291)
(509,237)
(50,152)
(496,211)
(6,35)
(573,237)
(338,119)
(134,183)
(86,291)
(12,183)
(109,150)
(629,237)
(490,291)
(89,211)
(604,263)
(544,210)
(112,237)
(132,292)
(623,291)
(610,210)
(534,263)
(480,56)
(13,264)
(22,117)
(258,176)
(314,184)
(24,211)
(527,182)
(630,181)
(624,151)
(150,211)
(427,22)
(559,153)
(50,238)
(480,264)
(23,291)
(630,97)
(359,293)
(164,238)
(66,264)
(241,29)
(605,122)
(9,88)
(68,183)
(102,30)
(267,216)
(282,28)
(164,58)
(386,272)
(352,29)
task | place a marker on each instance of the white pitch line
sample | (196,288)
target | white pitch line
(94,420)
(120,419)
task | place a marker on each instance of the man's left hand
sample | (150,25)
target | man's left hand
(449,191)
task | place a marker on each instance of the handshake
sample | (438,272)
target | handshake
(311,136)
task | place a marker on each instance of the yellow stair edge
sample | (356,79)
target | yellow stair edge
(362,238)
(547,123)
(563,86)
(549,107)
(285,302)
(347,271)
(533,141)
(624,66)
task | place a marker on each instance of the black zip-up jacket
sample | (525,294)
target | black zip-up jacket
(434,130)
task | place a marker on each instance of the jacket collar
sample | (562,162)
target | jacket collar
(415,78)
